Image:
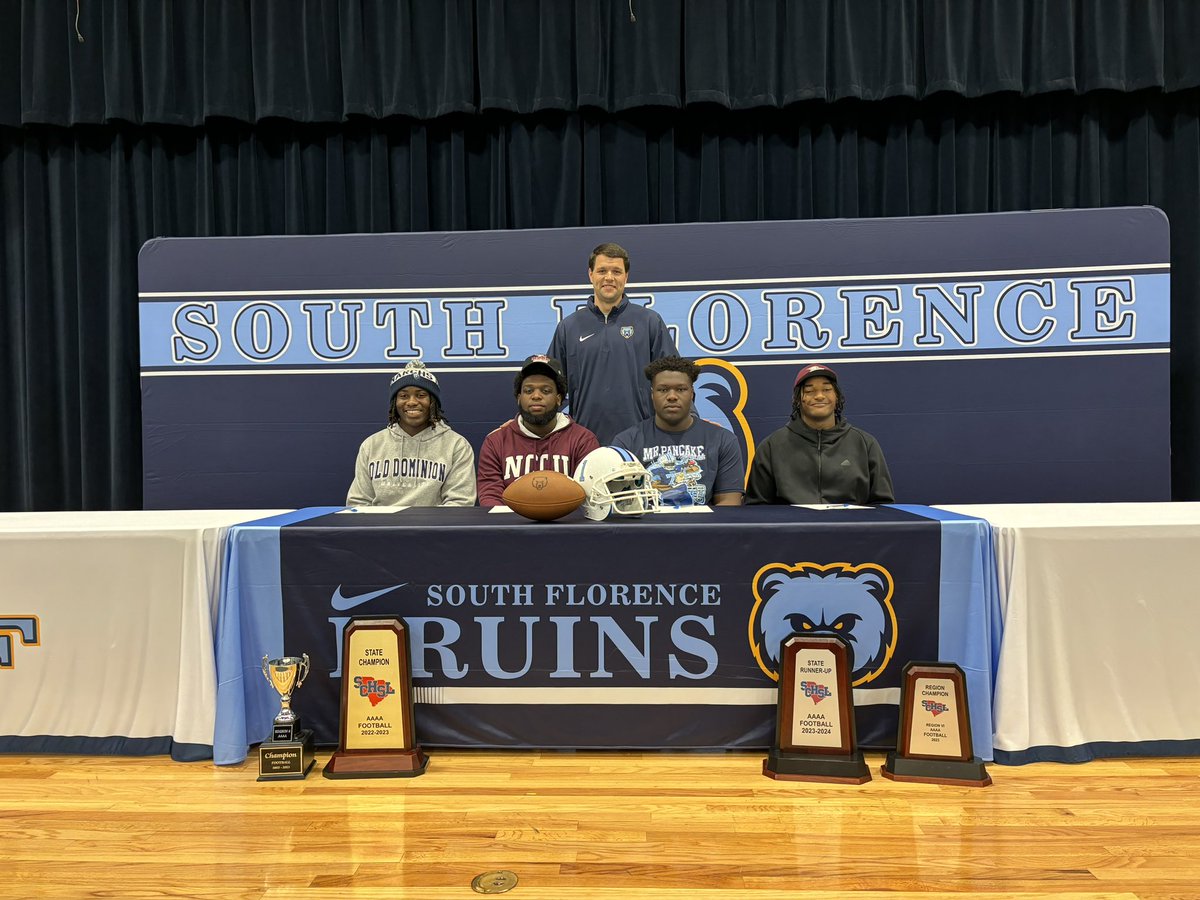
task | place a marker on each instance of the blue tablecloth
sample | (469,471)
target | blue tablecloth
(630,634)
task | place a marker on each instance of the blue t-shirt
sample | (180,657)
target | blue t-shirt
(688,467)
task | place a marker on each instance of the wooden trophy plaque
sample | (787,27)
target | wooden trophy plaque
(934,744)
(814,731)
(376,732)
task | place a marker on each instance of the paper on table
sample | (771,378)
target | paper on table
(829,506)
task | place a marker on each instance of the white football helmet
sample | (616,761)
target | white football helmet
(615,483)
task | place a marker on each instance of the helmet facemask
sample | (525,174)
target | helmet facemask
(615,483)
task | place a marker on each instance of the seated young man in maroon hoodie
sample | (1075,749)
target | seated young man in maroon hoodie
(539,438)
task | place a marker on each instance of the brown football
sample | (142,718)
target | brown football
(544,496)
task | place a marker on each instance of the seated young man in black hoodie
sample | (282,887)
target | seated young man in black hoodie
(819,457)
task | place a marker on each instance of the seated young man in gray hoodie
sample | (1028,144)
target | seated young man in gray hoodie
(819,457)
(418,460)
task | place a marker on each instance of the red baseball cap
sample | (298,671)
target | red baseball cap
(815,369)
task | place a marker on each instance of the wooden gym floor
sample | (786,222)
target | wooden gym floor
(651,826)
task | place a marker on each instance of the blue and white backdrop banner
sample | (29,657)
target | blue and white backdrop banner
(997,358)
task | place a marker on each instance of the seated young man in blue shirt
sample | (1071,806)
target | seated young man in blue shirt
(692,462)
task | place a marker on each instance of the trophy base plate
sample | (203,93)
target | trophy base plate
(287,732)
(847,769)
(965,773)
(376,764)
(286,760)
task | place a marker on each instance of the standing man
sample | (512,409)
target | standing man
(605,345)
(691,462)
(819,457)
(540,437)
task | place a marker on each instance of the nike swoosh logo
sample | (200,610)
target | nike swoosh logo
(340,602)
(584,337)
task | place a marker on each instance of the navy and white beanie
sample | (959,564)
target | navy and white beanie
(415,375)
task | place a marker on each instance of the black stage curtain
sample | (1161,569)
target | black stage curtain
(224,118)
(150,62)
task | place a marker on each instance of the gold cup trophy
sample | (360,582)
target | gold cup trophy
(288,755)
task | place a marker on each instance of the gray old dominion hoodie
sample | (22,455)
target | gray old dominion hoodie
(435,467)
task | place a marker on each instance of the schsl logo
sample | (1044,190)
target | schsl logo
(934,706)
(818,692)
(27,628)
(373,689)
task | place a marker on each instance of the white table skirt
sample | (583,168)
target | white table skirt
(124,604)
(1101,616)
